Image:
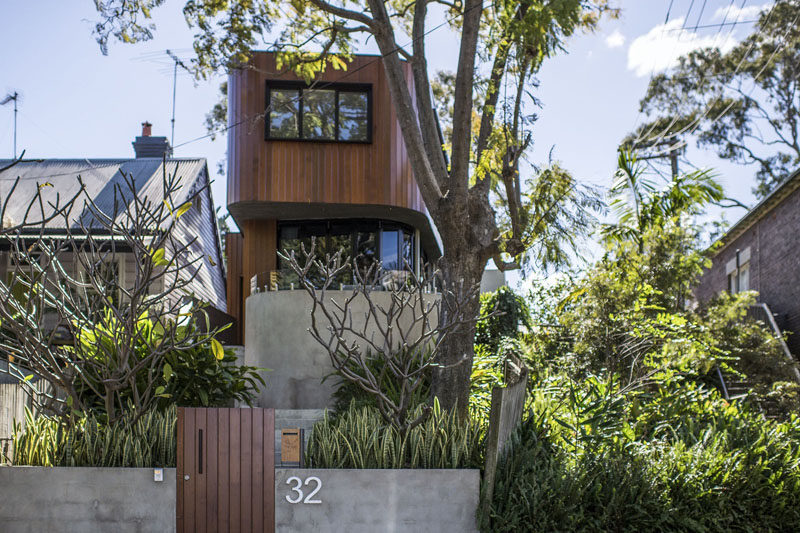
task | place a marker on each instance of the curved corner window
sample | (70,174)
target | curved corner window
(363,241)
(333,112)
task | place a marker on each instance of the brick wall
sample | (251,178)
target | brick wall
(774,242)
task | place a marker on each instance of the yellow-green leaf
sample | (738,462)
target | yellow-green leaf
(182,209)
(216,348)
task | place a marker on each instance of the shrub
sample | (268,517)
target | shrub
(199,374)
(149,441)
(511,313)
(659,467)
(359,438)
(348,392)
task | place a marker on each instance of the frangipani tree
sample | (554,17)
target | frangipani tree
(501,46)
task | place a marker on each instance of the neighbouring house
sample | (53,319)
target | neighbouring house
(761,252)
(324,160)
(102,176)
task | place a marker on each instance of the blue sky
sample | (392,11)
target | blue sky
(75,102)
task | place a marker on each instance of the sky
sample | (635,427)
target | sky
(76,102)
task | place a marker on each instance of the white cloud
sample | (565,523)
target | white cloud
(660,48)
(615,40)
(738,14)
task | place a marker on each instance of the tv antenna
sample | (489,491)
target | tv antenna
(9,97)
(180,63)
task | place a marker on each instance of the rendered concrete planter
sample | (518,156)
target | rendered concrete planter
(362,501)
(277,337)
(89,500)
(86,500)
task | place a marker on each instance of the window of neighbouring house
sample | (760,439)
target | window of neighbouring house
(738,271)
(332,112)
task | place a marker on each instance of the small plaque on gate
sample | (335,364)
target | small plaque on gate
(290,446)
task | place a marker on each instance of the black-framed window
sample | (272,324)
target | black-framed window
(332,112)
(365,240)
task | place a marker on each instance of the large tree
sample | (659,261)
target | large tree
(501,47)
(744,103)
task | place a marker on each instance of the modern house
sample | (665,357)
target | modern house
(327,160)
(101,178)
(324,160)
(761,252)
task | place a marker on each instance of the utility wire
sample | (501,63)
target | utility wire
(321,86)
(644,138)
(694,124)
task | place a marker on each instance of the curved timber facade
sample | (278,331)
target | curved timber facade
(329,153)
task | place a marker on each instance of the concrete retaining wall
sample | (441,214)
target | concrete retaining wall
(36,499)
(88,500)
(365,501)
(277,337)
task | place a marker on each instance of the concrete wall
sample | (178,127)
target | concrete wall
(366,501)
(89,500)
(277,338)
(86,500)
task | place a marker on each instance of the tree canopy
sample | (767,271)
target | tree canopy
(743,103)
(501,47)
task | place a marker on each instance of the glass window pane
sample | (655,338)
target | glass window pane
(744,277)
(408,250)
(366,252)
(319,114)
(284,109)
(353,116)
(389,246)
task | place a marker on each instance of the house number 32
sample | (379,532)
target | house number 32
(297,489)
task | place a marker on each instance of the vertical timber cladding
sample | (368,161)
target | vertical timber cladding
(226,470)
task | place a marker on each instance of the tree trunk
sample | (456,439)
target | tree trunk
(462,269)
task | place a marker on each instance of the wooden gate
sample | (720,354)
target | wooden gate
(226,470)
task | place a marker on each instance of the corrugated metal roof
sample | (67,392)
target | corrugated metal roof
(101,178)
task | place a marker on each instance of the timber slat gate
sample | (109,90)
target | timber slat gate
(226,470)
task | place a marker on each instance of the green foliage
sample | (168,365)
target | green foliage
(598,458)
(507,313)
(199,374)
(197,378)
(743,103)
(349,393)
(359,438)
(146,441)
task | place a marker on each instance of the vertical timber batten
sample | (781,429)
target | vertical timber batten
(226,470)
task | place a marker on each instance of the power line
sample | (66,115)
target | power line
(685,96)
(321,86)
(694,124)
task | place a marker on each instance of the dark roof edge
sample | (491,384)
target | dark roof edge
(763,207)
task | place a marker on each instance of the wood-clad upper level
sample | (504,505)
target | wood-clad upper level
(269,178)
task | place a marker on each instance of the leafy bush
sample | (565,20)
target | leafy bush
(200,374)
(511,314)
(359,438)
(679,460)
(348,392)
(197,378)
(149,441)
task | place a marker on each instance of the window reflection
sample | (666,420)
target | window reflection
(353,116)
(363,241)
(319,114)
(284,106)
(330,114)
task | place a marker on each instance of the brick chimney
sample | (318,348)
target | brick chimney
(148,146)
